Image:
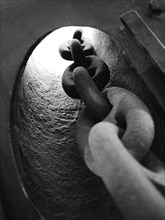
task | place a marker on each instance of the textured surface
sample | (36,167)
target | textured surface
(57,179)
(22,23)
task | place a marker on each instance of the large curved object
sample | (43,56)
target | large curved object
(23,24)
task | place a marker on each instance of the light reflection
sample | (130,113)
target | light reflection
(47,54)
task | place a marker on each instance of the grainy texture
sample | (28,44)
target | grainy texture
(56,178)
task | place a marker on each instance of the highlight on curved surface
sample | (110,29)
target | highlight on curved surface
(43,129)
(43,132)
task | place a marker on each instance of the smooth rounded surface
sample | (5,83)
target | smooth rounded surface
(123,176)
(43,129)
(77,53)
(97,69)
(78,35)
(65,50)
(96,103)
(130,114)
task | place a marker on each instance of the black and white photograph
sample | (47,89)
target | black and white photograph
(82,109)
